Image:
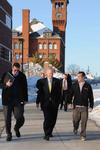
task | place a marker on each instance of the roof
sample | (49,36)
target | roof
(37,29)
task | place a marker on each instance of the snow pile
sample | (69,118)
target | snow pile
(32,90)
(95,114)
(90,76)
(58,75)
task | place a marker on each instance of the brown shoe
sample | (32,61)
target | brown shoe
(83,138)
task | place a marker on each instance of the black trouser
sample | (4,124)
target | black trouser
(64,100)
(50,117)
(18,111)
(80,114)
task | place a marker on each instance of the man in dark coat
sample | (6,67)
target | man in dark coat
(49,90)
(66,84)
(81,96)
(39,95)
(14,96)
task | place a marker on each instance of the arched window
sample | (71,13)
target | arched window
(16,56)
(44,46)
(40,46)
(56,5)
(55,46)
(50,46)
(62,5)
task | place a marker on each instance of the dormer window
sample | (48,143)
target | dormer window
(47,34)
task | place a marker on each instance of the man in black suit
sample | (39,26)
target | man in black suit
(49,89)
(39,95)
(14,96)
(81,95)
(66,84)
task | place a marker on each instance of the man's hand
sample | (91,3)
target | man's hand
(9,83)
(23,102)
(70,106)
(90,109)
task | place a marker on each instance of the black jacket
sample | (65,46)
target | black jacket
(44,96)
(83,98)
(69,81)
(7,92)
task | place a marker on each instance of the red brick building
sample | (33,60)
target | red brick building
(5,36)
(33,37)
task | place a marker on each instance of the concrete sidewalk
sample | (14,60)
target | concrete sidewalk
(32,134)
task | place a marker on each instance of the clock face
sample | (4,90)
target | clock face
(59,15)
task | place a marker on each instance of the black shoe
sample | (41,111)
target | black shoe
(9,137)
(51,135)
(17,132)
(46,138)
(65,109)
(75,132)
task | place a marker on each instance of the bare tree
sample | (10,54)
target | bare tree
(73,69)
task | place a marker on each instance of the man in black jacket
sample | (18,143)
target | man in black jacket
(14,96)
(49,90)
(66,84)
(81,96)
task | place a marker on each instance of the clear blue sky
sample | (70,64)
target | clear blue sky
(82,32)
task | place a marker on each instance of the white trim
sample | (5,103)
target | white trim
(5,25)
(5,11)
(6,60)
(5,47)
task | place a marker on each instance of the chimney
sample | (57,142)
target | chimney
(25,33)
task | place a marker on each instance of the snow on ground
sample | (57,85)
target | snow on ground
(32,88)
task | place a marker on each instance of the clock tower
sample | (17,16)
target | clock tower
(59,21)
(59,17)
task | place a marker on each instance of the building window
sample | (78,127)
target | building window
(17,56)
(40,56)
(5,53)
(40,46)
(50,46)
(62,5)
(56,5)
(44,56)
(12,45)
(52,56)
(20,56)
(16,46)
(59,5)
(8,22)
(44,46)
(20,45)
(55,46)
